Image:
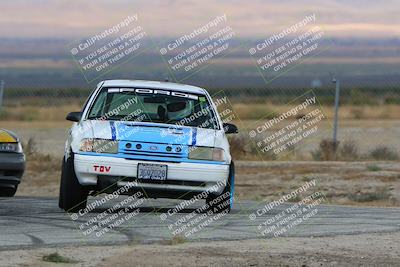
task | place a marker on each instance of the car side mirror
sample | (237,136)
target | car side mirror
(230,128)
(74,116)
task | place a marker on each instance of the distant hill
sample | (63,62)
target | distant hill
(47,63)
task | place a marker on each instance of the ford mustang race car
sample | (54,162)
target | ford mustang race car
(163,139)
(12,163)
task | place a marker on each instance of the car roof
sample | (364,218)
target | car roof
(154,85)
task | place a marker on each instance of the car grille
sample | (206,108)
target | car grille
(143,149)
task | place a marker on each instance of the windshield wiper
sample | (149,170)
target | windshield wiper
(95,117)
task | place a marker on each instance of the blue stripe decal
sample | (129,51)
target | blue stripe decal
(153,134)
(113,131)
(194,136)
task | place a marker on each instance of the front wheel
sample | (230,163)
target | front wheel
(73,196)
(8,191)
(224,201)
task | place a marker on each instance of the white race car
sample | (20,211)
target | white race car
(163,139)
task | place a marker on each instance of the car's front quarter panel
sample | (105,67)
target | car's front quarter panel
(73,141)
(221,141)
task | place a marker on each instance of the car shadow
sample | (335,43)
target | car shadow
(144,210)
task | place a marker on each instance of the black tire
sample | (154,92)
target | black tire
(224,201)
(8,191)
(73,196)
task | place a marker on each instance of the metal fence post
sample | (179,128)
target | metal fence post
(335,122)
(1,93)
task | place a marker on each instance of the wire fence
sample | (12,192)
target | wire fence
(368,118)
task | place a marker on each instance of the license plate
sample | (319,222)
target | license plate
(152,171)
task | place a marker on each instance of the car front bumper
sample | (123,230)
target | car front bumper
(12,166)
(183,179)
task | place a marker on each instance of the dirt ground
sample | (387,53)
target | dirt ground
(360,250)
(353,183)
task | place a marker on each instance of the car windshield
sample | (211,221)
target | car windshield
(158,106)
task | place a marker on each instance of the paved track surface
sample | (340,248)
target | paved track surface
(27,222)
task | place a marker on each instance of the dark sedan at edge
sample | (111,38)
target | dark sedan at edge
(12,163)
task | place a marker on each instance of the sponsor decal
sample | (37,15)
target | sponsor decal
(100,168)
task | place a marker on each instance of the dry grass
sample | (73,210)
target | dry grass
(241,149)
(257,111)
(326,151)
(348,151)
(42,174)
(175,240)
(37,113)
(383,153)
(57,258)
(373,168)
(378,195)
(341,183)
(243,111)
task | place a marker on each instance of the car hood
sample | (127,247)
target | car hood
(7,136)
(148,132)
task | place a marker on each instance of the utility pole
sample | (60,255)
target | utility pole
(335,120)
(1,93)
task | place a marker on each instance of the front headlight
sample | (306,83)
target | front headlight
(99,146)
(11,147)
(206,153)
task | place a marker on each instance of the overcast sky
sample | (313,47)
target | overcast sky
(252,18)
